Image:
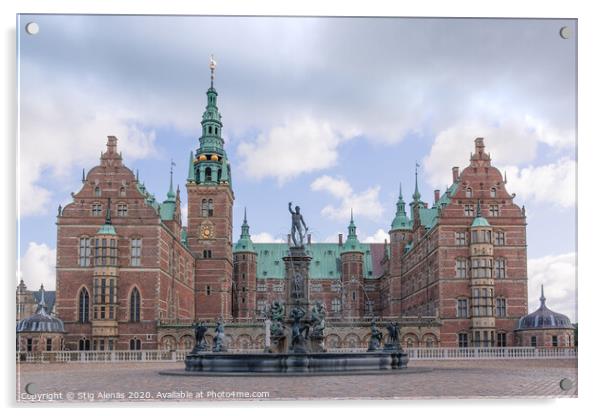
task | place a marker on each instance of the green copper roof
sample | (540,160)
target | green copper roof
(191,169)
(479,221)
(401,220)
(325,262)
(428,217)
(244,242)
(447,195)
(184,236)
(167,210)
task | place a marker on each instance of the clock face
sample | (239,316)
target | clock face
(206,230)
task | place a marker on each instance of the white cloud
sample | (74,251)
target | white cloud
(509,140)
(65,125)
(557,274)
(554,183)
(299,146)
(364,204)
(37,266)
(378,237)
(184,211)
(265,238)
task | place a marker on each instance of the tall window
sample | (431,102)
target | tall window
(500,307)
(554,341)
(469,210)
(135,305)
(494,210)
(501,339)
(468,192)
(461,267)
(336,305)
(97,191)
(500,238)
(208,290)
(461,239)
(85,251)
(462,308)
(210,208)
(122,191)
(208,174)
(122,210)
(493,192)
(84,344)
(48,344)
(500,268)
(481,268)
(482,302)
(534,341)
(29,344)
(96,209)
(84,306)
(463,340)
(136,251)
(205,208)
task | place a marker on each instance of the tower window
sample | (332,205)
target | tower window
(206,254)
(462,308)
(96,209)
(84,306)
(122,210)
(461,268)
(136,251)
(210,208)
(85,251)
(500,268)
(208,290)
(207,174)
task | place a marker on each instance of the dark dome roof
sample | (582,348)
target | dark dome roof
(41,321)
(544,318)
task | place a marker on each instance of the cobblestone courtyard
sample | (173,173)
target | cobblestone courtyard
(77,382)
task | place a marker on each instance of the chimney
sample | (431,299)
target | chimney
(308,239)
(437,194)
(340,239)
(288,239)
(455,173)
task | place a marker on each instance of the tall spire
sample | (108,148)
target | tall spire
(108,216)
(191,168)
(416,195)
(352,243)
(244,242)
(542,298)
(245,227)
(171,196)
(401,220)
(351,227)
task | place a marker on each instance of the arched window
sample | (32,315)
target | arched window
(97,191)
(84,306)
(84,344)
(219,175)
(135,344)
(210,208)
(493,192)
(468,192)
(204,208)
(122,191)
(135,305)
(207,174)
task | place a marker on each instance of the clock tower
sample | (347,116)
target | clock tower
(210,200)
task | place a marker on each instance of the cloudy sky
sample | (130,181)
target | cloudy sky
(329,113)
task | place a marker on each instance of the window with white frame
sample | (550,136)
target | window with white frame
(468,192)
(460,238)
(136,251)
(462,308)
(500,238)
(500,307)
(96,209)
(493,192)
(85,251)
(500,268)
(469,210)
(461,267)
(494,210)
(336,305)
(122,210)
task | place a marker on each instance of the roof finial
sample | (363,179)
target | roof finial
(542,298)
(505,179)
(245,219)
(83,175)
(351,215)
(137,176)
(416,192)
(170,194)
(212,66)
(42,302)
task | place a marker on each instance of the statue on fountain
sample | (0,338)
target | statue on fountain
(298,331)
(276,330)
(392,343)
(376,337)
(318,323)
(199,334)
(297,234)
(219,340)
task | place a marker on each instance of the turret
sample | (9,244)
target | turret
(244,275)
(352,263)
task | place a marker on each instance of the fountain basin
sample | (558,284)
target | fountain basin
(325,362)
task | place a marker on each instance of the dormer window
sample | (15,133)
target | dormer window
(97,191)
(468,192)
(493,192)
